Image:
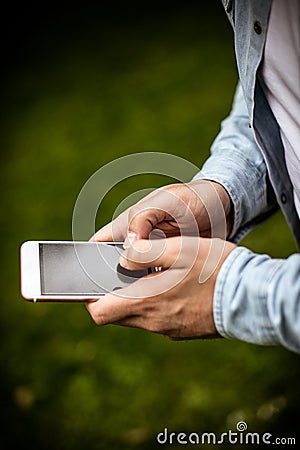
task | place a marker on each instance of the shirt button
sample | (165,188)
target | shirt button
(283,198)
(257,27)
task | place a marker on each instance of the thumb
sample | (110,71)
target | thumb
(156,253)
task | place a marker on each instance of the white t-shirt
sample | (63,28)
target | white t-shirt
(281,72)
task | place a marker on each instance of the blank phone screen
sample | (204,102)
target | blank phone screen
(83,269)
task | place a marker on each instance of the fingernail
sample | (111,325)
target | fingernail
(130,238)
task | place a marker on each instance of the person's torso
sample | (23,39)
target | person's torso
(281,74)
(250,23)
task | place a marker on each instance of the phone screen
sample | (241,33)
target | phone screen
(83,269)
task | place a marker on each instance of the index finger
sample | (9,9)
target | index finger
(109,309)
(121,304)
(113,231)
(122,308)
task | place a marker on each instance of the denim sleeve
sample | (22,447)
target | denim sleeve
(237,163)
(257,299)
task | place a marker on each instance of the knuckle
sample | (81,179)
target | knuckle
(98,317)
(132,211)
(135,211)
(170,187)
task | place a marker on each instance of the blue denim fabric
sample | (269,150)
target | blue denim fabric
(257,299)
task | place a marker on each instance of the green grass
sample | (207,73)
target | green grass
(75,99)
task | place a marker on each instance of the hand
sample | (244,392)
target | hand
(178,209)
(177,302)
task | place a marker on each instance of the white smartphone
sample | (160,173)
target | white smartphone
(76,271)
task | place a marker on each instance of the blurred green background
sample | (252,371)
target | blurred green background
(81,86)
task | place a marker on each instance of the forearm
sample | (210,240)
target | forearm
(257,299)
(236,163)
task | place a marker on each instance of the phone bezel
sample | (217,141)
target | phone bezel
(31,275)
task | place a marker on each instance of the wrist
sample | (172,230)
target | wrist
(204,218)
(227,205)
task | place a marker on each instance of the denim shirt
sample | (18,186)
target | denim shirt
(256,299)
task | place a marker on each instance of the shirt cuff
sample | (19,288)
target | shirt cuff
(241,297)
